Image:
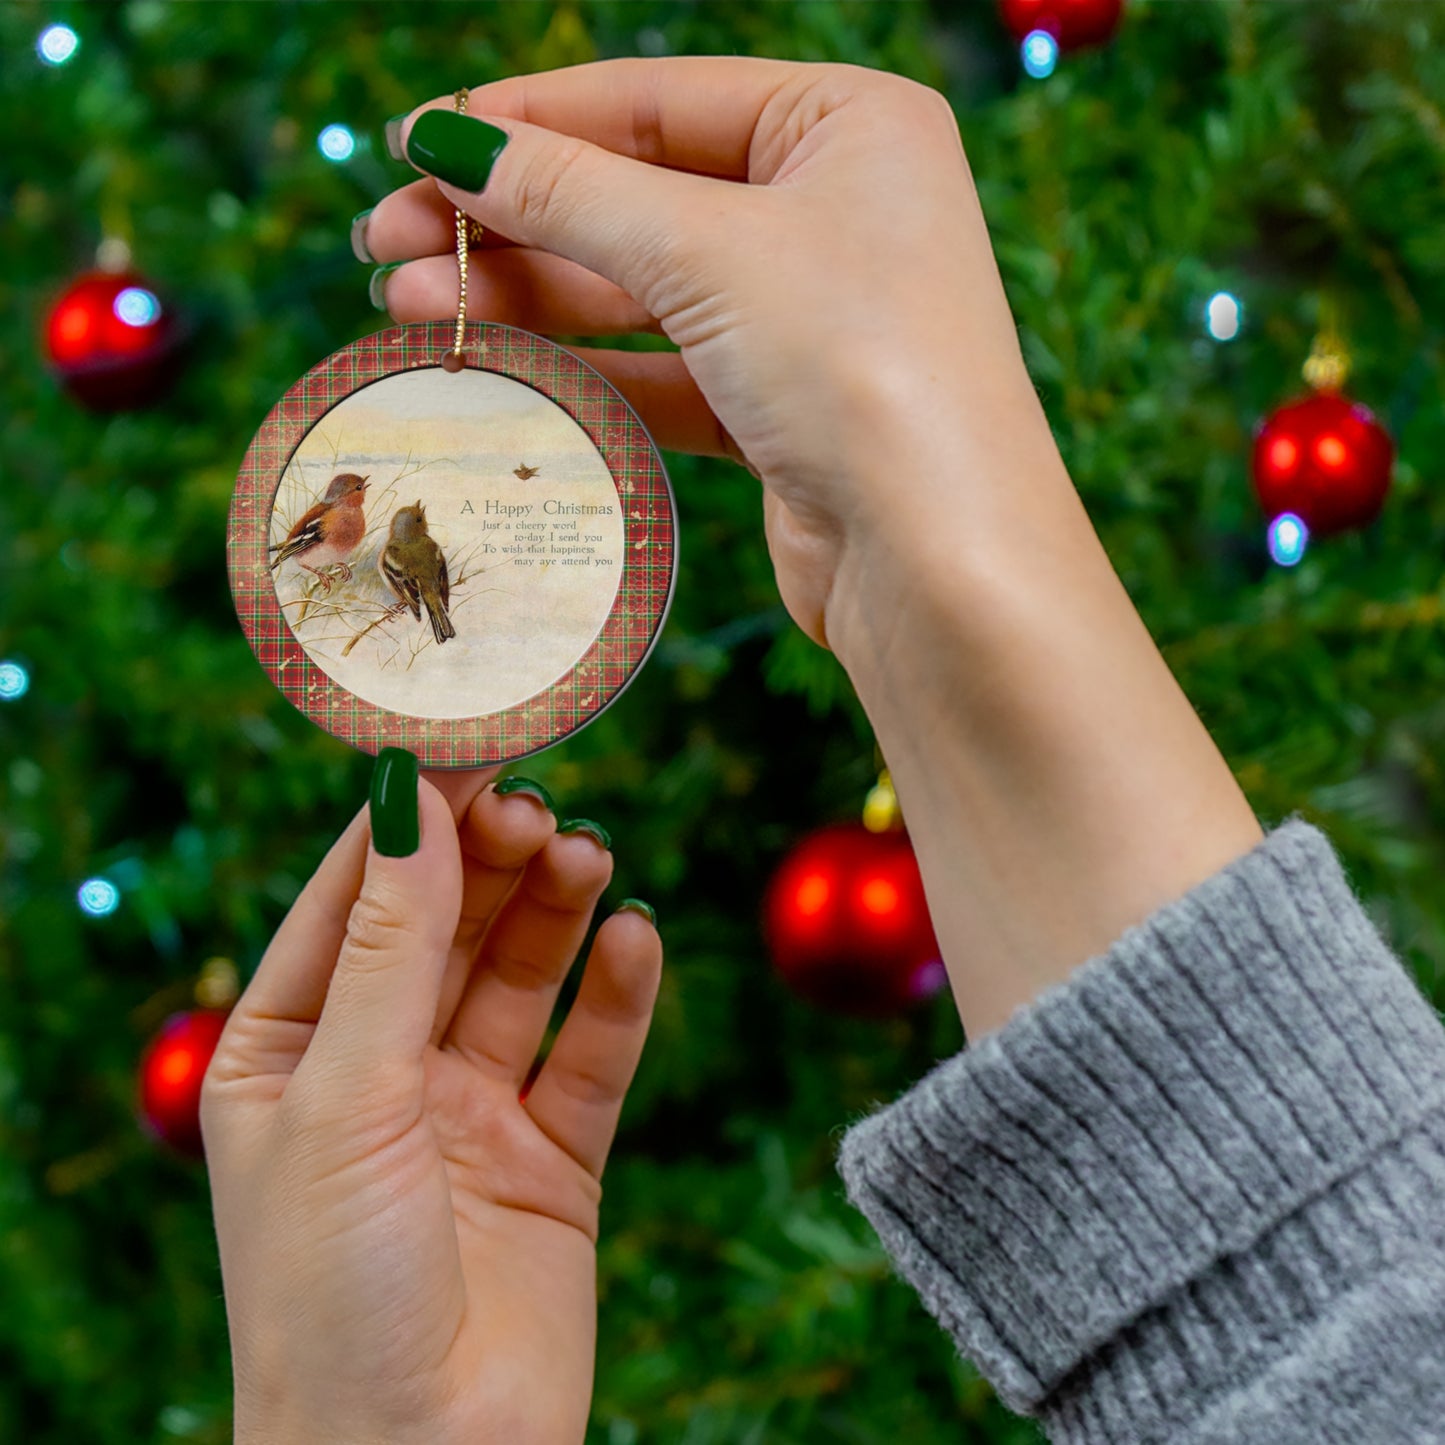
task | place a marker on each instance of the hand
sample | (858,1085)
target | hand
(844,330)
(846,295)
(408,1249)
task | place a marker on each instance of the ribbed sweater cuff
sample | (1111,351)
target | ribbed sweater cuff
(1143,1165)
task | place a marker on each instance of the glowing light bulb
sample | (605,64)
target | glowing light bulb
(14,681)
(1040,53)
(57,44)
(336,143)
(1223,316)
(1288,538)
(137,307)
(98,897)
(1331,451)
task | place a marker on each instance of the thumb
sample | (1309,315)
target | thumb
(634,224)
(382,999)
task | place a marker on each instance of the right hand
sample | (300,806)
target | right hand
(842,302)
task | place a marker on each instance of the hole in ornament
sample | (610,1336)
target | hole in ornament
(454,361)
(1331,451)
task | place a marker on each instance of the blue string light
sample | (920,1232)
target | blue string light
(98,897)
(137,307)
(1288,538)
(57,44)
(1223,316)
(1040,52)
(336,143)
(14,681)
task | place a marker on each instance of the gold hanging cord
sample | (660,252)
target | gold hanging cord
(1328,366)
(469,233)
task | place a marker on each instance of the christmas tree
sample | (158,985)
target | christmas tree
(1214,166)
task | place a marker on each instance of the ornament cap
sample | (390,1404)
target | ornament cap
(1328,366)
(219,984)
(881,813)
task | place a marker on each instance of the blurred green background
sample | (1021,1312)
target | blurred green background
(1287,153)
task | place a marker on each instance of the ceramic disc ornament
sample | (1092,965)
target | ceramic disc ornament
(470,563)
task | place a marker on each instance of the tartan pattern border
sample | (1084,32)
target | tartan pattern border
(649,555)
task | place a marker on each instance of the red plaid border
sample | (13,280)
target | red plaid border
(649,561)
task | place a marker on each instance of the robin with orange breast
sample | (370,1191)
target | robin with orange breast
(328,533)
(415,569)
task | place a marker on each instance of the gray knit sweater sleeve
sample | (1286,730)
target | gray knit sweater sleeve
(1196,1192)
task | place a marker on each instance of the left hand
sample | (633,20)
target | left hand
(407,1247)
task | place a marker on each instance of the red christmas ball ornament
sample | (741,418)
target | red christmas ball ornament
(1326,459)
(171,1071)
(112,341)
(1073,23)
(847,924)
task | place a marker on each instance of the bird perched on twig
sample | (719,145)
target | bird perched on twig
(412,565)
(328,533)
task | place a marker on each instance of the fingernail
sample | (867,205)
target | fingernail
(636,905)
(359,248)
(508,786)
(395,820)
(593,830)
(376,289)
(455,148)
(393,137)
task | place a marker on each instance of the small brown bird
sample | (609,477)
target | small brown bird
(525,472)
(413,566)
(328,533)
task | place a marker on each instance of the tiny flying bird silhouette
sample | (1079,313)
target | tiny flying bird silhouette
(525,472)
(328,533)
(413,567)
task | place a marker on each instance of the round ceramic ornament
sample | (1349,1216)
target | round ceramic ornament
(458,540)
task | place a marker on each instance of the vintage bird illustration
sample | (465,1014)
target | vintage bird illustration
(327,534)
(414,568)
(525,472)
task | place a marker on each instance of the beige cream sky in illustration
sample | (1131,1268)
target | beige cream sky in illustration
(523,617)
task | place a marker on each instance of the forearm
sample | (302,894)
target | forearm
(1056,782)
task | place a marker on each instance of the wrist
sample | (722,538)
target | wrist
(1057,785)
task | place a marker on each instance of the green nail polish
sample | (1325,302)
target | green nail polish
(359,248)
(455,148)
(376,289)
(636,905)
(511,785)
(395,821)
(593,830)
(392,132)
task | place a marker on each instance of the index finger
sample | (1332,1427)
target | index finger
(696,113)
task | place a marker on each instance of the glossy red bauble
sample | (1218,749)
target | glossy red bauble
(1324,458)
(847,923)
(171,1071)
(1073,23)
(112,341)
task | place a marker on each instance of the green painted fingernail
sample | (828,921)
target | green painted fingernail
(377,287)
(636,905)
(525,785)
(395,812)
(586,825)
(455,148)
(393,136)
(359,248)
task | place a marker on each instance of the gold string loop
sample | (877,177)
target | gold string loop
(469,232)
